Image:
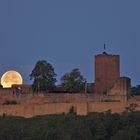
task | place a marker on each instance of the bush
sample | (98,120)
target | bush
(95,126)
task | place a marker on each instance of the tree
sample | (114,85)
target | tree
(135,90)
(73,81)
(44,77)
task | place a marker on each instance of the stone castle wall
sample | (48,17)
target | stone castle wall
(30,105)
(120,91)
(121,87)
(41,98)
(31,110)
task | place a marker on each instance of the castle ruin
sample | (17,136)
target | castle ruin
(108,83)
(110,92)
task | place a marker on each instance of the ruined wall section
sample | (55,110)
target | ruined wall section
(120,90)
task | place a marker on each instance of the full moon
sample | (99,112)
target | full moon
(11,77)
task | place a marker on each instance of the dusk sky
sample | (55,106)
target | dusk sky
(68,34)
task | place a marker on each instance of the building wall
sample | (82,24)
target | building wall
(48,98)
(121,87)
(26,110)
(107,71)
(23,88)
(29,105)
(120,91)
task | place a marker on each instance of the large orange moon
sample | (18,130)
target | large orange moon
(11,77)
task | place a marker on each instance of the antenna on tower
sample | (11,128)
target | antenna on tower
(104,49)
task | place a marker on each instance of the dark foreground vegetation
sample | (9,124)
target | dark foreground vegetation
(95,126)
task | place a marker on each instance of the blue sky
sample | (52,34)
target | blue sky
(68,33)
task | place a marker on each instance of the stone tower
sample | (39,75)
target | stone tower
(107,71)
